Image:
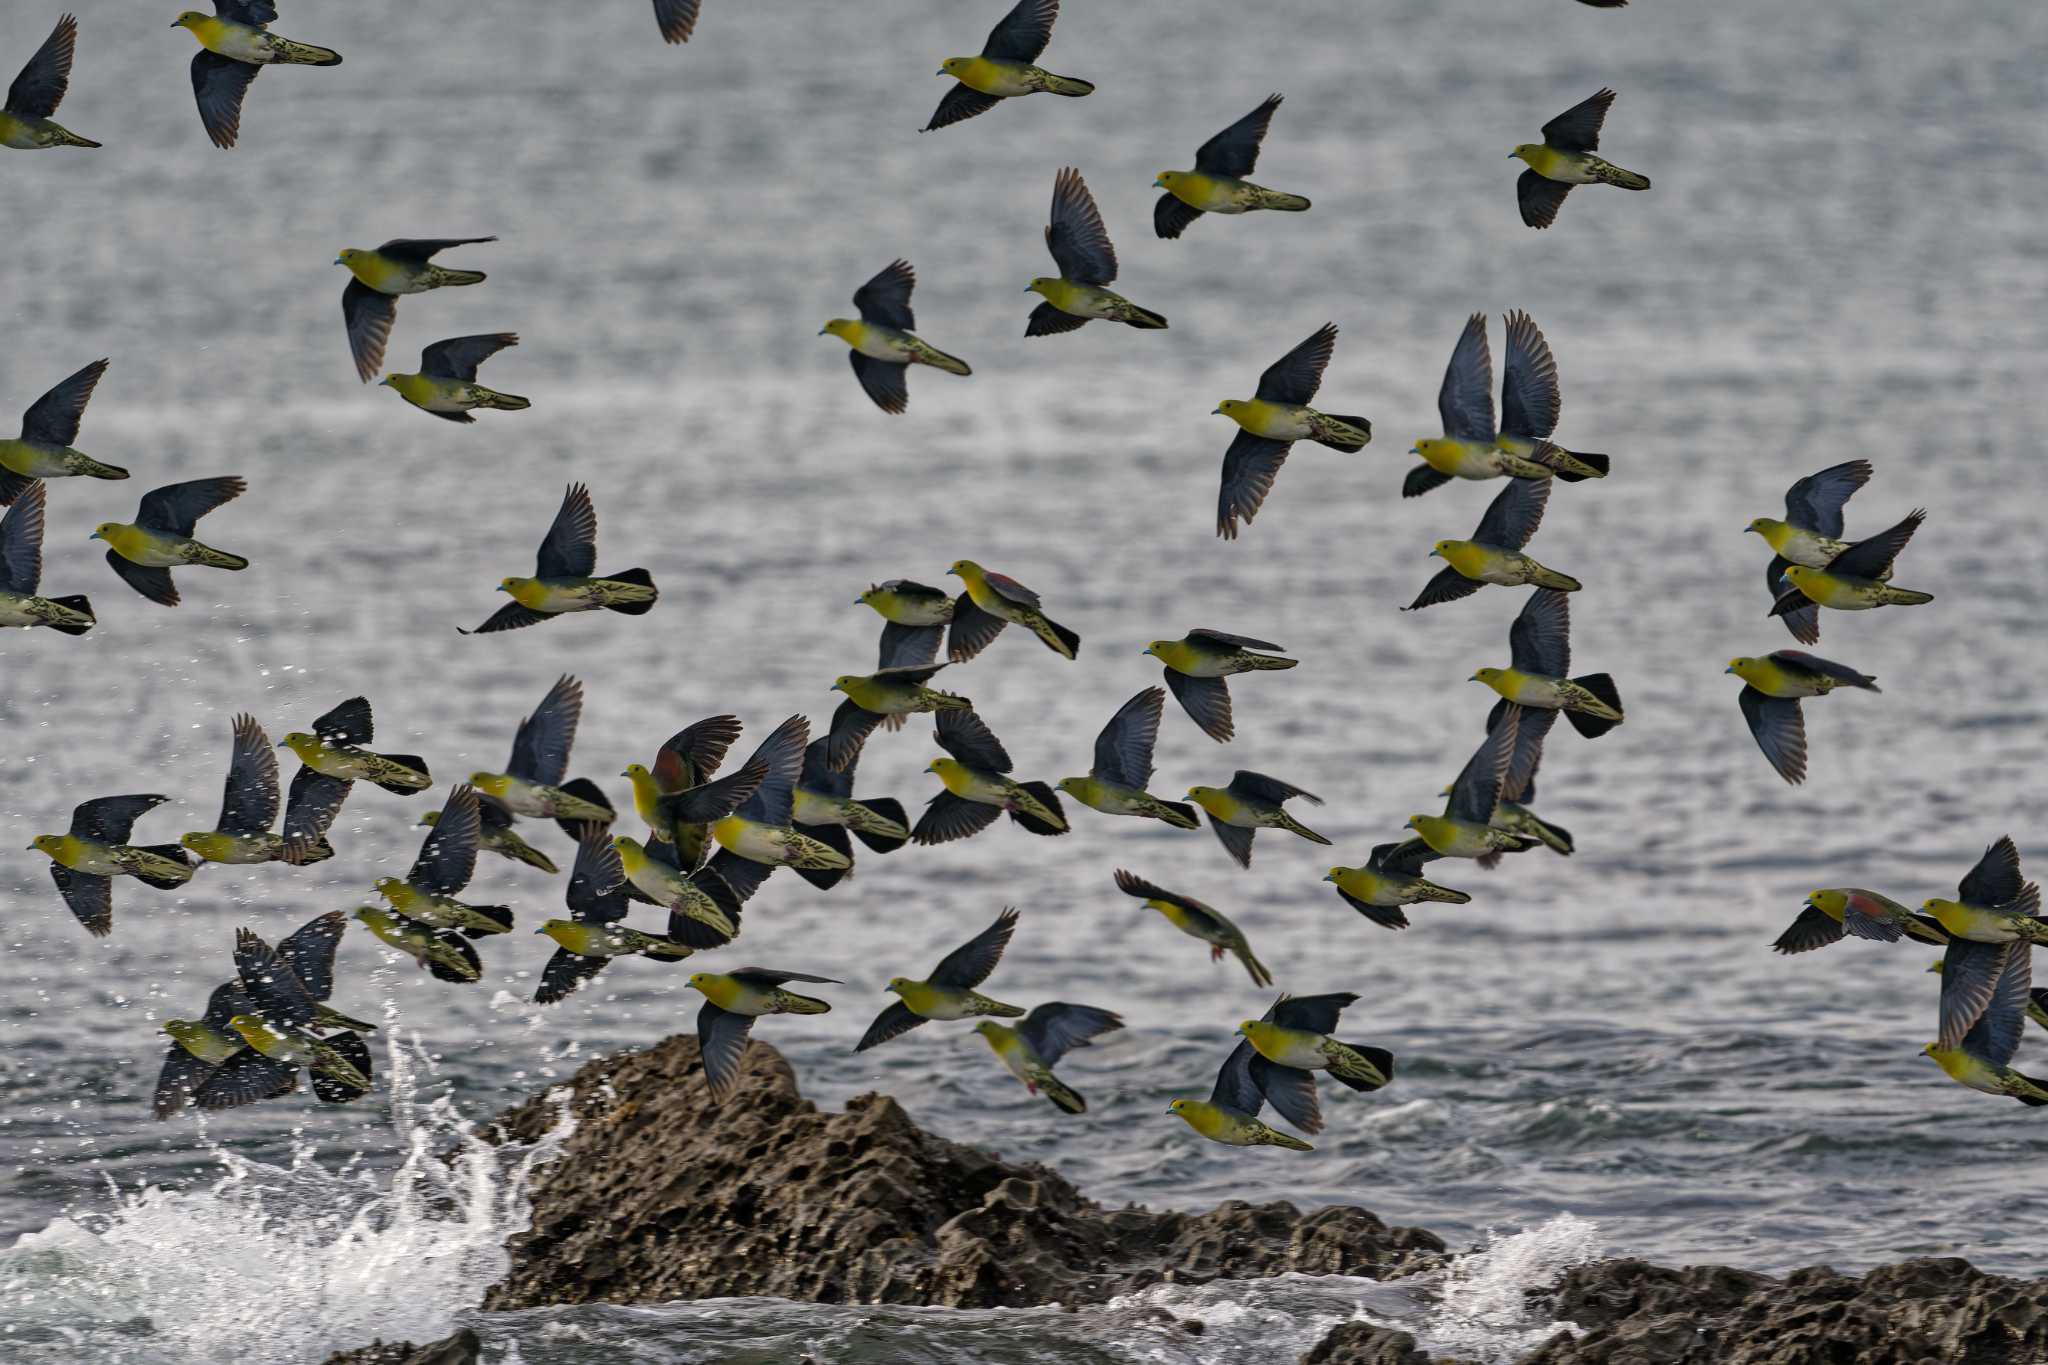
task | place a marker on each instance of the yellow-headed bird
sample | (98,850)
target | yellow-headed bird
(1391,878)
(1197,920)
(1494,553)
(1197,664)
(1032,1049)
(1115,784)
(1773,686)
(565,575)
(1080,246)
(1565,158)
(594,933)
(249,806)
(1217,183)
(532,781)
(825,809)
(1530,403)
(676,18)
(1540,654)
(949,992)
(914,617)
(25,120)
(690,758)
(208,1066)
(497,835)
(339,1063)
(236,44)
(403,265)
(447,860)
(1993,991)
(1993,904)
(884,346)
(1857,579)
(333,760)
(48,428)
(703,910)
(1810,534)
(990,602)
(1250,803)
(761,835)
(1272,420)
(1005,69)
(85,860)
(144,552)
(899,688)
(446,383)
(288,987)
(1295,1033)
(1472,447)
(1466,828)
(978,786)
(21,571)
(444,953)
(732,1002)
(1231,1113)
(1833,911)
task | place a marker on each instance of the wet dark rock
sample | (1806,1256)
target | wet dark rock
(461,1348)
(1360,1343)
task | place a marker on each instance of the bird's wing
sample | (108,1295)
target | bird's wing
(1815,503)
(1056,1028)
(90,898)
(246,1078)
(227,1001)
(1236,840)
(177,507)
(1532,728)
(1010,590)
(491,813)
(946,818)
(893,1022)
(1514,514)
(1235,150)
(1448,585)
(179,1082)
(1295,377)
(593,893)
(1230,641)
(1780,731)
(965,736)
(447,857)
(1235,1088)
(153,583)
(972,630)
(1171,216)
(1798,659)
(1873,558)
(1539,198)
(249,804)
(780,762)
(1465,398)
(109,819)
(884,381)
(570,550)
(960,103)
(368,316)
(1801,616)
(1422,479)
(909,646)
(1540,640)
(511,616)
(851,726)
(1023,33)
(1995,880)
(348,723)
(763,977)
(675,19)
(540,749)
(1995,1037)
(1403,859)
(458,357)
(721,1038)
(53,419)
(218,85)
(1311,1013)
(970,964)
(565,974)
(1260,787)
(1529,400)
(1076,237)
(885,299)
(693,754)
(1577,129)
(1970,973)
(279,995)
(742,878)
(819,775)
(1048,321)
(1123,751)
(21,541)
(1249,467)
(256,12)
(1810,929)
(40,87)
(1207,702)
(308,951)
(1291,1091)
(1477,790)
(419,250)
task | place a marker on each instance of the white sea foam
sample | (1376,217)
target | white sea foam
(1482,1312)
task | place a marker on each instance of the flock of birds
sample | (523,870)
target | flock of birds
(712,840)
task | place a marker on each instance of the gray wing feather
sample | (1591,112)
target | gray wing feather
(53,419)
(965,736)
(249,804)
(1514,514)
(1295,377)
(1056,1028)
(1078,241)
(1123,751)
(21,541)
(970,964)
(447,857)
(1465,399)
(1529,401)
(1540,640)
(570,549)
(458,357)
(540,749)
(1235,150)
(1815,502)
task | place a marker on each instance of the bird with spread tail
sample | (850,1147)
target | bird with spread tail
(595,933)
(1534,682)
(689,758)
(21,571)
(446,383)
(1391,878)
(1034,1047)
(988,602)
(447,860)
(144,552)
(732,1002)
(236,44)
(25,121)
(1005,69)
(949,992)
(249,807)
(1831,912)
(43,450)
(1231,1113)
(85,859)
(1250,803)
(1217,183)
(377,279)
(532,783)
(1531,402)
(978,786)
(1857,579)
(1196,920)
(564,575)
(1295,1033)
(1770,696)
(1994,904)
(332,760)
(1198,662)
(1810,535)
(1981,1057)
(1466,828)
(1494,553)
(1472,447)
(1272,420)
(1115,784)
(1565,158)
(1080,246)
(826,810)
(760,835)
(884,345)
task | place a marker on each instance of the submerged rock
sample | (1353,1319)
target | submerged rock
(661,1195)
(461,1348)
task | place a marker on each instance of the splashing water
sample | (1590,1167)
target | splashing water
(1482,1311)
(277,1264)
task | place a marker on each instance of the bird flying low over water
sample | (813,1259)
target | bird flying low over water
(1540,654)
(914,617)
(1391,878)
(333,760)
(1197,920)
(594,933)
(761,835)
(949,992)
(1472,447)
(732,1002)
(1565,158)
(1004,69)
(884,347)
(1514,815)
(899,688)
(1080,246)
(1494,553)
(1250,803)
(1858,578)
(1810,535)
(1217,183)
(237,45)
(824,809)
(1116,782)
(443,952)
(1993,904)
(1466,828)
(1981,1058)
(563,580)
(84,860)
(1773,686)
(43,451)
(703,910)
(1033,1048)
(160,539)
(495,834)
(288,987)
(690,758)
(1272,420)
(1830,913)
(990,602)
(978,786)
(676,18)
(1295,1034)
(446,862)
(249,807)
(403,265)
(446,384)
(1198,662)
(21,571)
(25,119)
(532,781)
(1231,1113)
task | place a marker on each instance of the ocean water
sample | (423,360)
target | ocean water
(1841,258)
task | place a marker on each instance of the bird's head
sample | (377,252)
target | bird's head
(104,530)
(1831,903)
(1743,666)
(1436,551)
(191,841)
(989,1029)
(348,256)
(1433,447)
(1489,676)
(1414,822)
(1154,648)
(1246,1027)
(1762,526)
(1796,574)
(251,1028)
(189,1034)
(1229,407)
(873,597)
(369,914)
(430,819)
(1166,180)
(1071,786)
(1176,1106)
(953,66)
(191,18)
(897,985)
(386,885)
(842,682)
(627,846)
(942,766)
(839,327)
(964,568)
(1527,151)
(47,843)
(1203,794)
(490,784)
(1930,1050)
(698,981)
(636,771)
(299,742)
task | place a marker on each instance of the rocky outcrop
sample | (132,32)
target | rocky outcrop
(461,1348)
(1360,1343)
(660,1194)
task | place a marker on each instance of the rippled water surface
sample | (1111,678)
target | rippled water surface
(1841,257)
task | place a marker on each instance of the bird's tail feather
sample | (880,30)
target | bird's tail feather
(1069,642)
(888,810)
(639,578)
(392,784)
(1257,969)
(304,54)
(1599,465)
(500,915)
(501,402)
(1073,88)
(1270,662)
(2039,1096)
(355,1054)
(166,879)
(941,701)
(1555,837)
(1294,826)
(1551,578)
(939,360)
(1046,798)
(1621,179)
(665,949)
(1601,686)
(1285,203)
(300,852)
(1144,317)
(1179,814)
(1275,1138)
(801,1004)
(1062,1094)
(219,559)
(94,469)
(1339,432)
(1905,597)
(441,275)
(67,138)
(533,857)
(78,603)
(1431,891)
(1378,1058)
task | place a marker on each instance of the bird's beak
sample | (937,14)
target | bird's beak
(1329,876)
(1728,670)
(940,72)
(821,331)
(540,931)
(337,259)
(282,745)
(1511,156)
(1432,555)
(1414,450)
(1027,288)
(1216,412)
(1748,529)
(94,536)
(1157,183)
(500,588)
